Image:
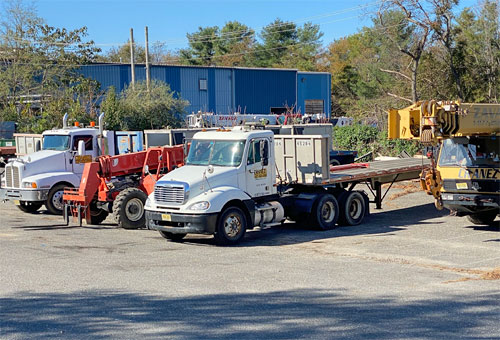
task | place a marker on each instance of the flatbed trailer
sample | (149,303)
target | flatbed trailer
(377,173)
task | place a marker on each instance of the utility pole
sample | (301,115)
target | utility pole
(132,65)
(147,59)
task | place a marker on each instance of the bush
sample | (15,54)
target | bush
(366,138)
(139,109)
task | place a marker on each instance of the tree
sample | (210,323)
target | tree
(202,47)
(276,38)
(304,55)
(235,43)
(121,54)
(38,67)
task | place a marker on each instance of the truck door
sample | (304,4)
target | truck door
(89,153)
(258,174)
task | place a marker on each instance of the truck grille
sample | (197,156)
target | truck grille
(12,176)
(170,193)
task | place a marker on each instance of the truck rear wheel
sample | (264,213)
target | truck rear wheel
(29,207)
(172,236)
(352,208)
(483,218)
(231,226)
(54,201)
(326,212)
(128,209)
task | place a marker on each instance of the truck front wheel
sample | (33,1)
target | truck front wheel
(128,209)
(483,218)
(29,207)
(326,212)
(231,226)
(54,201)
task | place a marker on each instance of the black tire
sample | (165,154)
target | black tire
(128,209)
(325,212)
(54,201)
(483,218)
(231,226)
(97,216)
(352,206)
(171,236)
(334,162)
(29,207)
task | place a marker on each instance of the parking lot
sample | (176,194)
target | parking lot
(408,272)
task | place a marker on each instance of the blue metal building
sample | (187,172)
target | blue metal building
(228,89)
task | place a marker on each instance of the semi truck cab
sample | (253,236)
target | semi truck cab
(40,178)
(228,176)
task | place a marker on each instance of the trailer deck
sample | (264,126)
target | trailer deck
(377,173)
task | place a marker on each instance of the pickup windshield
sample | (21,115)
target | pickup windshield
(477,152)
(56,142)
(219,152)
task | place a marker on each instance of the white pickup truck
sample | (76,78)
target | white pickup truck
(40,178)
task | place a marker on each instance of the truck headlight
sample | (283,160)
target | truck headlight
(149,203)
(3,183)
(30,185)
(199,206)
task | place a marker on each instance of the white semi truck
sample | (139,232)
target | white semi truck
(239,179)
(40,178)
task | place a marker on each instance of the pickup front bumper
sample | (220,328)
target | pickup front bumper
(181,223)
(29,195)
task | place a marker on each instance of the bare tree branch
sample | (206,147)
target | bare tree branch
(399,97)
(397,73)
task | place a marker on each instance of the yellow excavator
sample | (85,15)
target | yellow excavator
(466,177)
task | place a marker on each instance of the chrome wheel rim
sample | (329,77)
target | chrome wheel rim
(57,200)
(232,225)
(134,209)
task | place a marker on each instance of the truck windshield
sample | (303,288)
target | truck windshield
(478,152)
(56,142)
(218,152)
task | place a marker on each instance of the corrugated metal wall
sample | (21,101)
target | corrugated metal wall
(256,91)
(314,86)
(227,89)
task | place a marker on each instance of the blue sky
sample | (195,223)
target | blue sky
(109,21)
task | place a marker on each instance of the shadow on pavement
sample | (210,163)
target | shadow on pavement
(385,222)
(287,314)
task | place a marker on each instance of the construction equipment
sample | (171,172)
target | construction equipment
(466,178)
(120,185)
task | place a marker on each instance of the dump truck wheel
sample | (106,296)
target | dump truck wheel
(231,226)
(172,236)
(352,208)
(128,209)
(483,218)
(29,207)
(54,203)
(326,212)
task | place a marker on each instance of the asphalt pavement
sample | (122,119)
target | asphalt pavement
(408,272)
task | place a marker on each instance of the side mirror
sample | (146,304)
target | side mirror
(264,152)
(81,147)
(146,169)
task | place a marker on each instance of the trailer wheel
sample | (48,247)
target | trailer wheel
(231,226)
(483,218)
(54,201)
(128,209)
(352,208)
(29,207)
(326,212)
(171,236)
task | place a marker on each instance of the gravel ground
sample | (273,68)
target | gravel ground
(408,272)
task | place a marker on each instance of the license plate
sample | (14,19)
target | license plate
(461,185)
(166,217)
(16,202)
